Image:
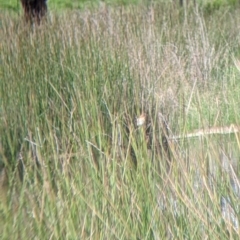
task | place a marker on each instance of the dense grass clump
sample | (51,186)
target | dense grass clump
(74,165)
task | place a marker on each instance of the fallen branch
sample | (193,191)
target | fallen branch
(209,131)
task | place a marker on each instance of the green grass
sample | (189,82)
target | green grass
(70,92)
(208,5)
(15,5)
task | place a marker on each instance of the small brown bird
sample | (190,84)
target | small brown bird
(141,120)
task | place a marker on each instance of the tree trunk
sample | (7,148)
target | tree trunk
(34,10)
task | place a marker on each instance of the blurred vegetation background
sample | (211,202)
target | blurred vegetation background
(208,5)
(73,163)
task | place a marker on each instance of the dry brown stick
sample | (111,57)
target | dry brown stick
(209,131)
